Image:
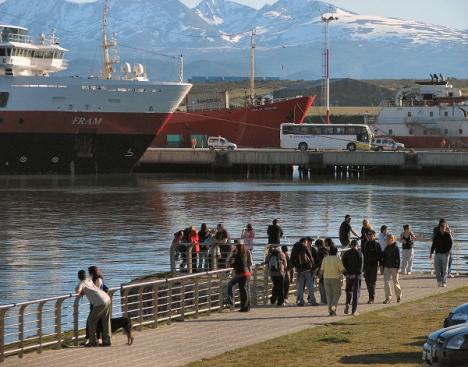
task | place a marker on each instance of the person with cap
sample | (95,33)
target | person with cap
(345,229)
(101,310)
(275,233)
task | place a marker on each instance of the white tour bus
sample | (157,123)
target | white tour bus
(325,136)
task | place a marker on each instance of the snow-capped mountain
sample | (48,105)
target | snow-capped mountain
(215,38)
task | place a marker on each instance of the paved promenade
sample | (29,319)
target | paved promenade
(184,342)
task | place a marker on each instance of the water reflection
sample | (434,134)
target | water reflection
(52,226)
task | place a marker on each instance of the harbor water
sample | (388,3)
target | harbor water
(53,226)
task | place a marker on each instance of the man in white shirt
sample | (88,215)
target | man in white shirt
(100,310)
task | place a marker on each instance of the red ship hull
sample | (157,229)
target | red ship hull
(255,126)
(75,142)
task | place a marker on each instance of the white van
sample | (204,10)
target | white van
(217,142)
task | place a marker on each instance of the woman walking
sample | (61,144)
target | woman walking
(407,238)
(332,269)
(242,270)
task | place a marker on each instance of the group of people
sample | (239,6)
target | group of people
(321,262)
(98,324)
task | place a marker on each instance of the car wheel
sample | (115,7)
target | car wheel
(211,147)
(230,148)
(379,149)
(351,147)
(399,149)
(302,146)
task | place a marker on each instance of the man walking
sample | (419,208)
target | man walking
(442,245)
(345,229)
(352,261)
(101,310)
(372,261)
(390,268)
(303,261)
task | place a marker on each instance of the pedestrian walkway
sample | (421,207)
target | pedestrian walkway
(184,342)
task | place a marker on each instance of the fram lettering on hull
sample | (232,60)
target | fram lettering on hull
(86,121)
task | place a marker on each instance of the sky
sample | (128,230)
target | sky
(448,13)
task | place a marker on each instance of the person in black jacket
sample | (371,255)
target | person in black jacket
(390,267)
(352,261)
(442,246)
(372,261)
(242,270)
(303,261)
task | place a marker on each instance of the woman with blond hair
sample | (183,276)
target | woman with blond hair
(366,227)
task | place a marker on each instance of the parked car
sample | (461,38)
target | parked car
(379,144)
(447,347)
(217,142)
(459,315)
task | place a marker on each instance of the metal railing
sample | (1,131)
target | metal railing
(58,322)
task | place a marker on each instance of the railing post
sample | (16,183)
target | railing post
(76,320)
(155,305)
(3,311)
(21,331)
(169,285)
(39,326)
(58,323)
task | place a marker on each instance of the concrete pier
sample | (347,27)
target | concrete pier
(281,161)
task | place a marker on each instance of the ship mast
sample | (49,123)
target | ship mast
(326,63)
(252,63)
(108,69)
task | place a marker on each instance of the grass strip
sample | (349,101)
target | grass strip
(393,336)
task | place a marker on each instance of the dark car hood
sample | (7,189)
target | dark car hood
(449,331)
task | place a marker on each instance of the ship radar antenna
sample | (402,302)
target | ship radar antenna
(252,67)
(326,59)
(108,69)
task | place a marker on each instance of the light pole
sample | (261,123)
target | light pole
(326,62)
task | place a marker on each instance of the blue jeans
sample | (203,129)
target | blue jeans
(441,262)
(305,277)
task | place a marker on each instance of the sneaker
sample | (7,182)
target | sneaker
(300,304)
(371,301)
(333,311)
(386,302)
(105,345)
(355,313)
(398,299)
(444,284)
(409,273)
(285,301)
(89,345)
(314,303)
(451,276)
(346,309)
(439,284)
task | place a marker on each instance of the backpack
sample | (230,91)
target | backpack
(275,264)
(300,258)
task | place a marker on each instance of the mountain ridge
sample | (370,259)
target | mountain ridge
(214,37)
